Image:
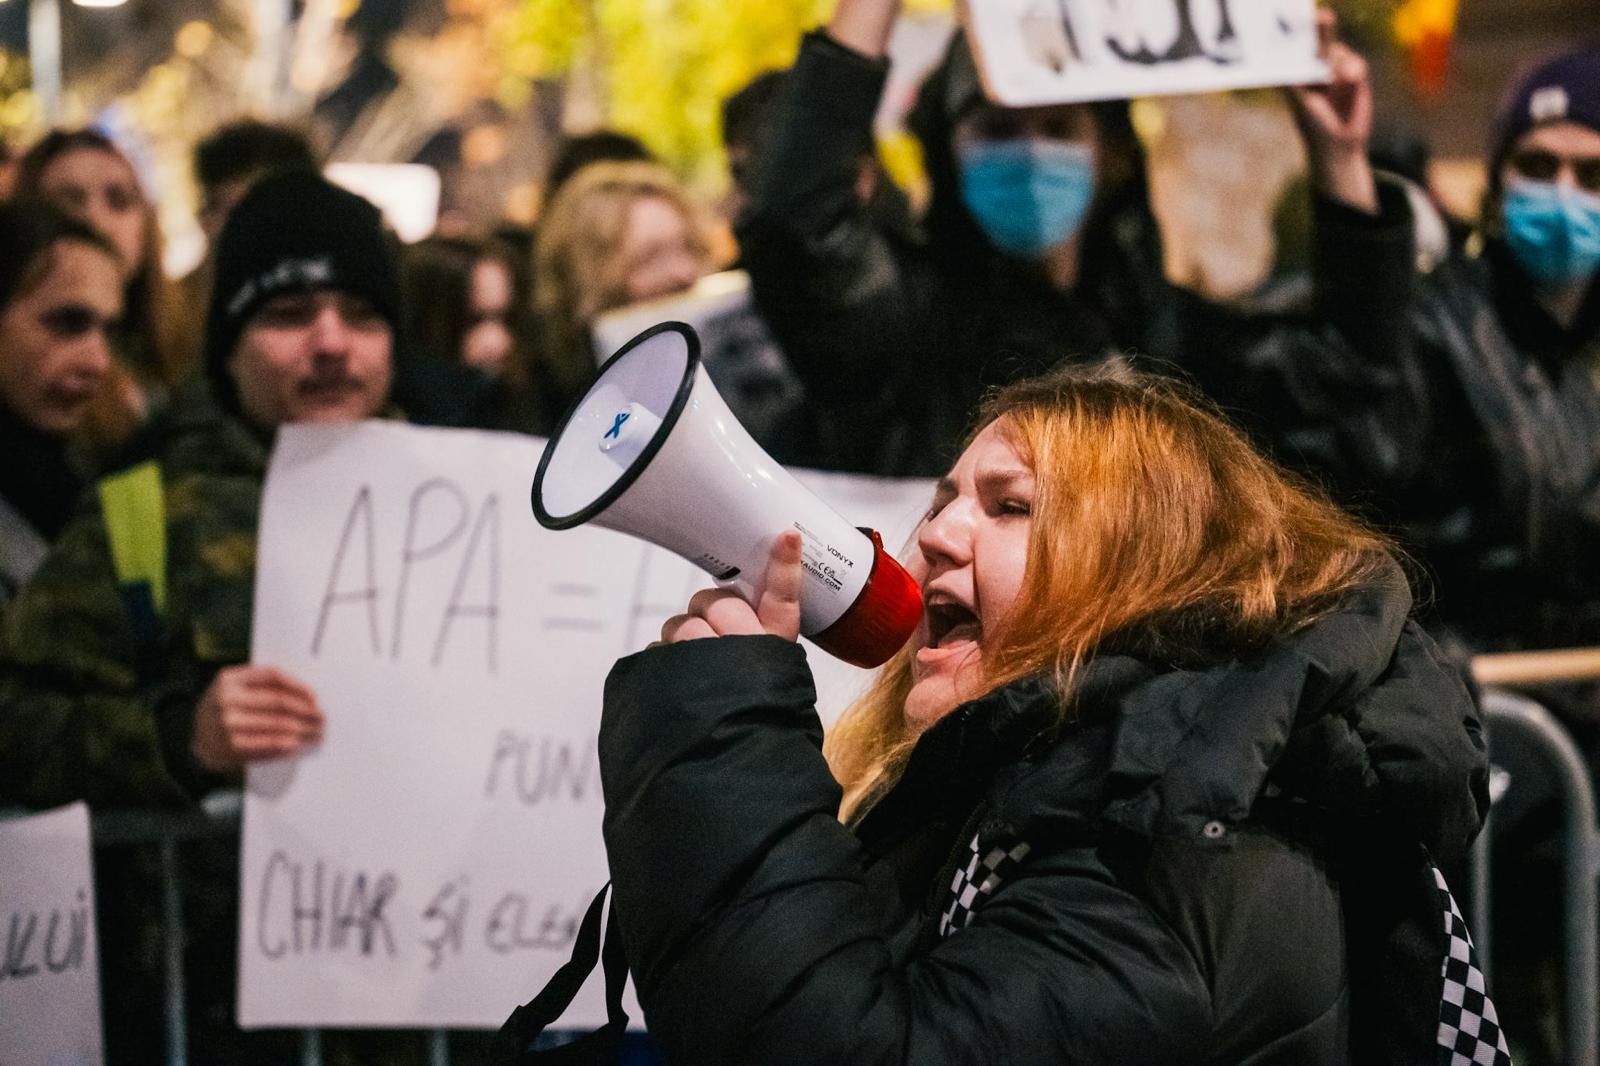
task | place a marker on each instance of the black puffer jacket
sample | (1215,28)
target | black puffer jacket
(1179,904)
(895,339)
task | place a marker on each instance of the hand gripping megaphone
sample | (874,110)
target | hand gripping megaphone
(653,451)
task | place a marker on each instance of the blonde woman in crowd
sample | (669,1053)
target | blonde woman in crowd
(616,234)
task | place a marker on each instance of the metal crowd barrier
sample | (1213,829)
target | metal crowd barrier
(1509,715)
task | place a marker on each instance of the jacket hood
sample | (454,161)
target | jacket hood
(1358,716)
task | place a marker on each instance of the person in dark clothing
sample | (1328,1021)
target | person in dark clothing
(1040,247)
(1506,337)
(234,156)
(60,295)
(1166,774)
(467,336)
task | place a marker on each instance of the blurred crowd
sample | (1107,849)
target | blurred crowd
(1438,375)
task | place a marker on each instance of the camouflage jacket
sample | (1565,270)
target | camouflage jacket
(92,705)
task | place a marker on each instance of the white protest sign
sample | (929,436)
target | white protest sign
(408,194)
(50,973)
(1035,52)
(428,863)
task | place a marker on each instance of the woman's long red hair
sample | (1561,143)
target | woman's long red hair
(1157,531)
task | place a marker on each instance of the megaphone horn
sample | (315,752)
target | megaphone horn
(653,451)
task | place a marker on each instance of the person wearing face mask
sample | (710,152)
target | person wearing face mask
(1164,775)
(60,296)
(1040,247)
(1507,335)
(128,683)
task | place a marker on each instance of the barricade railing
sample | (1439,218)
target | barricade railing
(217,816)
(1507,714)
(1523,668)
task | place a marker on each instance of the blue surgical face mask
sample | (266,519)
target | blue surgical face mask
(1554,231)
(1027,195)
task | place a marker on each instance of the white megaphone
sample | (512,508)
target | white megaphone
(652,450)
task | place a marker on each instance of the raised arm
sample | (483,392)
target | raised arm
(1335,388)
(840,292)
(865,25)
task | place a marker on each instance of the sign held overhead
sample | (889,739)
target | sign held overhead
(1032,53)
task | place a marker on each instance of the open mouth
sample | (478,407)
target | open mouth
(951,624)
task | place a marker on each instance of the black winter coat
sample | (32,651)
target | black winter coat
(896,339)
(1226,864)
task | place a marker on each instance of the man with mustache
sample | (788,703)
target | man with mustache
(124,675)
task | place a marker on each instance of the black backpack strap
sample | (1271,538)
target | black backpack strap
(515,1044)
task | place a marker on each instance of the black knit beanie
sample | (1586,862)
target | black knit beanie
(1563,89)
(295,231)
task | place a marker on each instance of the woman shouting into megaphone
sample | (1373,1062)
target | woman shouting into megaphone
(1166,775)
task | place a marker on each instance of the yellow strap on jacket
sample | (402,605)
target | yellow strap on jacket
(136,525)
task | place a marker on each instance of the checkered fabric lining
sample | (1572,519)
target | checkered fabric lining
(1469,1028)
(977,879)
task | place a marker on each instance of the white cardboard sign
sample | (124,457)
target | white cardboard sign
(428,864)
(1036,52)
(49,972)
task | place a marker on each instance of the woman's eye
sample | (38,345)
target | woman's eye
(67,322)
(1016,507)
